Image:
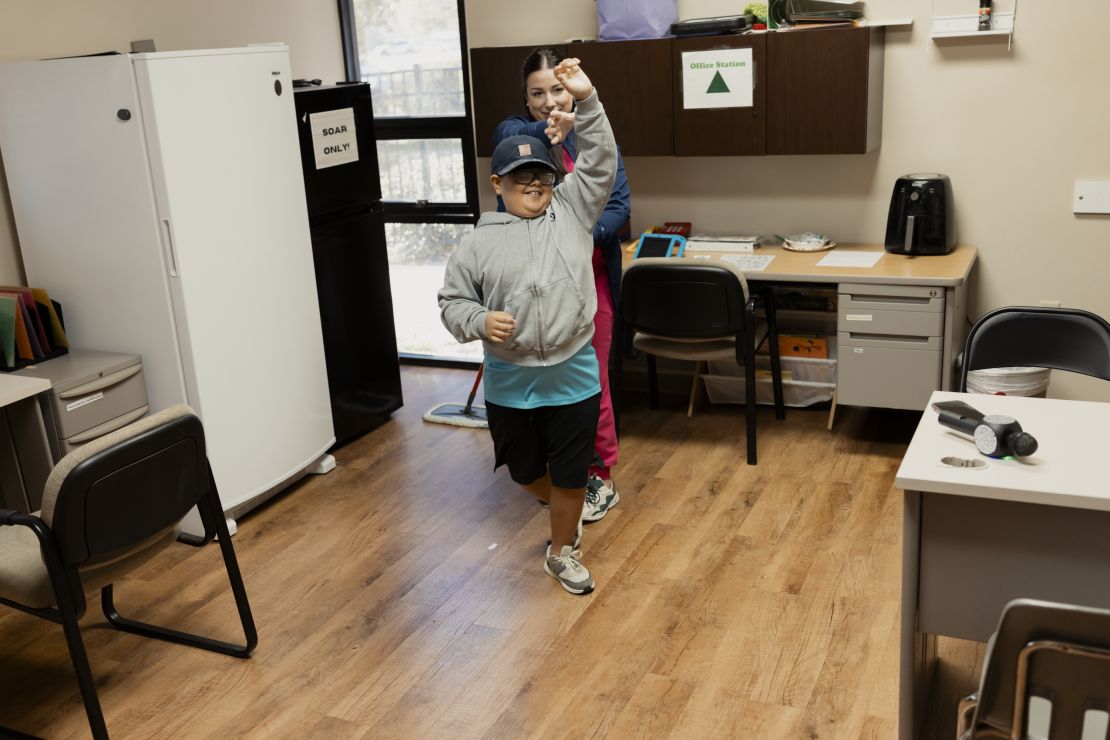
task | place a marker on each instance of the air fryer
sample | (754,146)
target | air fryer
(921,219)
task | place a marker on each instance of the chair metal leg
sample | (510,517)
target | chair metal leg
(776,362)
(80,660)
(653,382)
(749,390)
(695,388)
(214,514)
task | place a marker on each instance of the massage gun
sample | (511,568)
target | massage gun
(995,435)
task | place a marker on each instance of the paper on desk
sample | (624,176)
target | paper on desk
(849,258)
(753,262)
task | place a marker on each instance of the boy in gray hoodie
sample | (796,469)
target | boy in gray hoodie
(523,283)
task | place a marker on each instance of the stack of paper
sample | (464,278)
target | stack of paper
(753,262)
(708,243)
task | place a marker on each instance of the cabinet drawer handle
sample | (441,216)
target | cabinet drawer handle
(100,383)
(895,299)
(109,426)
(889,337)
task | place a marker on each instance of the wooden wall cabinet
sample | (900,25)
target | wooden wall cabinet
(635,83)
(824,91)
(817,91)
(708,132)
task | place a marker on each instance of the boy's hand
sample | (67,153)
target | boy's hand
(573,78)
(559,125)
(499,326)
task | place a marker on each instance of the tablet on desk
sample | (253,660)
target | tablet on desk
(660,245)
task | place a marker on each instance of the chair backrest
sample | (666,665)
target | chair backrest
(1059,338)
(126,487)
(684,299)
(1046,650)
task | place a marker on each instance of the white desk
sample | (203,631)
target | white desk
(25,460)
(973,539)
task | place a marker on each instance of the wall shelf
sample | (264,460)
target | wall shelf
(889,23)
(967,26)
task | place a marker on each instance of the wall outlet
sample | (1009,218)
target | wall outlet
(1050,304)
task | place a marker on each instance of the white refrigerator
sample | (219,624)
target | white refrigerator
(159,198)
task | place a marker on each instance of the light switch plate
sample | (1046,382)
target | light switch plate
(1091,196)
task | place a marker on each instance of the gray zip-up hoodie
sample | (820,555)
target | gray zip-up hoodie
(540,269)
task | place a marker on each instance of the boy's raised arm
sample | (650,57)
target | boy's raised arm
(586,190)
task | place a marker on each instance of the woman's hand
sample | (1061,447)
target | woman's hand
(573,78)
(499,326)
(559,125)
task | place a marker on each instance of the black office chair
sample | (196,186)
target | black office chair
(1058,338)
(108,507)
(700,311)
(1046,668)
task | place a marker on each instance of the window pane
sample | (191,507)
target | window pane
(410,54)
(422,169)
(417,257)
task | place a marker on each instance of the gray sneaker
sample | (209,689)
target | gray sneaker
(570,573)
(599,499)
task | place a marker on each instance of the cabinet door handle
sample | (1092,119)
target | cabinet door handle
(167,237)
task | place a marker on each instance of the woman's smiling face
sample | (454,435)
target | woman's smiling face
(543,94)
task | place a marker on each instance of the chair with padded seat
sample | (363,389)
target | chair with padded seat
(1046,674)
(701,310)
(108,507)
(1024,336)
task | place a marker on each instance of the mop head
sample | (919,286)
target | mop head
(457,415)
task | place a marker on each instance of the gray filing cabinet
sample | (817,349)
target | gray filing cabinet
(891,343)
(92,394)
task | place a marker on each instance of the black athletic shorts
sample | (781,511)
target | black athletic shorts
(530,441)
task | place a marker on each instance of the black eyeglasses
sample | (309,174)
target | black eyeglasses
(527,177)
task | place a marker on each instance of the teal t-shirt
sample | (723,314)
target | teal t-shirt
(520,387)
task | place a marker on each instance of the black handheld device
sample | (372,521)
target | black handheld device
(660,245)
(995,435)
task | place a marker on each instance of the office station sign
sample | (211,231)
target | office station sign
(721,78)
(333,137)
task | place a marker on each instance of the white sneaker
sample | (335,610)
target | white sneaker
(571,574)
(599,499)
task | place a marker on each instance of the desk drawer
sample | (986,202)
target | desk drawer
(918,298)
(106,398)
(888,372)
(887,322)
(897,310)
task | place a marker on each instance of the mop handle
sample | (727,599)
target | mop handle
(474,390)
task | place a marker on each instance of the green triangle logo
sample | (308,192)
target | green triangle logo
(718,84)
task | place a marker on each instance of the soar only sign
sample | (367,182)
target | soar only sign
(333,137)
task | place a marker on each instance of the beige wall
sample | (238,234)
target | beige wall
(1013,129)
(31,29)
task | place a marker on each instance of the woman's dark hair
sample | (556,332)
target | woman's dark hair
(542,58)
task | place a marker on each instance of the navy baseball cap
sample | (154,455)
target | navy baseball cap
(518,151)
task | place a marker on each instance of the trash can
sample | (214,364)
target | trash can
(1009,381)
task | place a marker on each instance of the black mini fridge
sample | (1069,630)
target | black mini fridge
(340,160)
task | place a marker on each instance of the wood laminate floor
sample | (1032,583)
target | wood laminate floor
(402,595)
